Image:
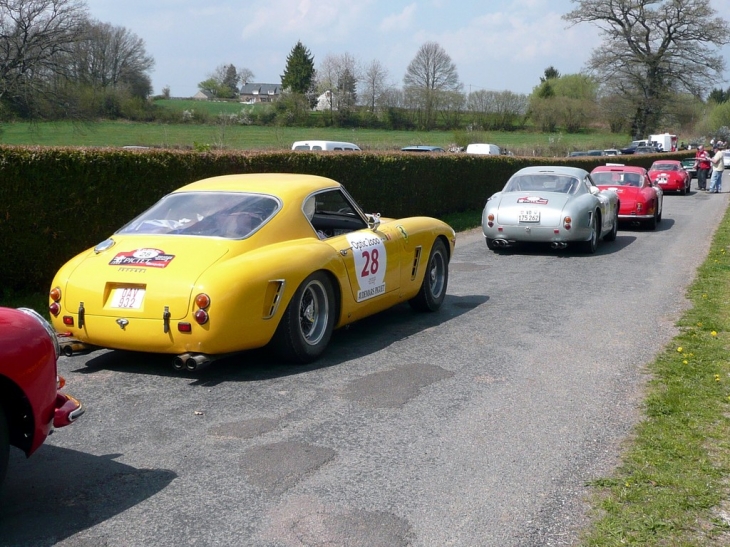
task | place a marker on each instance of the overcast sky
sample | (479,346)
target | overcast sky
(495,44)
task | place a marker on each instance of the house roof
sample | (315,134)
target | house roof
(261,89)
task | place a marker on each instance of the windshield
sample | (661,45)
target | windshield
(542,182)
(616,178)
(231,215)
(665,167)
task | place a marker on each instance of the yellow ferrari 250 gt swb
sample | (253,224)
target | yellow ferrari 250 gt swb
(237,262)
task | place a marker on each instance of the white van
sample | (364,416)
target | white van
(324,145)
(481,148)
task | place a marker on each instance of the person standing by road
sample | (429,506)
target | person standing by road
(718,165)
(703,165)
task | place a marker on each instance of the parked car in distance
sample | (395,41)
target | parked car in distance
(482,148)
(31,405)
(611,152)
(324,145)
(670,176)
(639,199)
(726,158)
(587,153)
(688,164)
(646,150)
(422,148)
(237,262)
(631,148)
(556,205)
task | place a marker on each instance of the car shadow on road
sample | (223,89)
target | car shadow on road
(46,498)
(629,227)
(571,251)
(362,338)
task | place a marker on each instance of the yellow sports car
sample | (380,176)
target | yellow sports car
(237,262)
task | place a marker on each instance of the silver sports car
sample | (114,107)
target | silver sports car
(551,204)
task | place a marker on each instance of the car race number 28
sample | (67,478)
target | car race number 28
(371,260)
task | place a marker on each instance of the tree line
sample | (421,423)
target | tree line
(57,62)
(652,71)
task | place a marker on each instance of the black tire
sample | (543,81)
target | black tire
(591,246)
(435,280)
(4,445)
(652,222)
(659,216)
(683,191)
(611,236)
(307,324)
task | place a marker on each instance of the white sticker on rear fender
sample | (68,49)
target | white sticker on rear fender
(371,260)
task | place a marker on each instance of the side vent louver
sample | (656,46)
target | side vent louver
(416,262)
(274,292)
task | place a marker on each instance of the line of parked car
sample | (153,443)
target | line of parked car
(563,206)
(170,281)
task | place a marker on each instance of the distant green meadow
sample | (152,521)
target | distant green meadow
(250,137)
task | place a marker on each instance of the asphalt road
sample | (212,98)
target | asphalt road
(475,426)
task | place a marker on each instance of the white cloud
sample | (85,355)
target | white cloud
(399,21)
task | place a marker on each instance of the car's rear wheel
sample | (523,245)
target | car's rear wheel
(591,245)
(307,324)
(652,222)
(433,288)
(4,445)
(611,236)
(683,191)
(659,216)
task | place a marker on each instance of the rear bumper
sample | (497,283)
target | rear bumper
(635,217)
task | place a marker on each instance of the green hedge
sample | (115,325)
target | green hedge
(55,202)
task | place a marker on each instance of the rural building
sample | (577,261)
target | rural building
(260,93)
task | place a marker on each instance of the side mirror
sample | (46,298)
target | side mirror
(595,190)
(373,221)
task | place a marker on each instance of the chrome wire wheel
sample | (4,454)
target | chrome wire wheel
(437,274)
(313,312)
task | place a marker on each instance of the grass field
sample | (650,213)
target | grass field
(243,137)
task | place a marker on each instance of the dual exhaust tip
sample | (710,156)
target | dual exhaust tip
(191,361)
(554,245)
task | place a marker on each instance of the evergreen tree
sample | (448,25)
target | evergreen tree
(299,71)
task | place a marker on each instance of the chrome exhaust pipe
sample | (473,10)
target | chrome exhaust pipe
(69,346)
(500,242)
(558,245)
(197,361)
(178,362)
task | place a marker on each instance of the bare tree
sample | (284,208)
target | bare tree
(496,109)
(245,75)
(652,48)
(373,84)
(338,75)
(429,77)
(111,57)
(36,37)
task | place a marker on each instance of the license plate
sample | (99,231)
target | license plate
(128,298)
(529,216)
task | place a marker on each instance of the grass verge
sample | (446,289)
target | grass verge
(672,485)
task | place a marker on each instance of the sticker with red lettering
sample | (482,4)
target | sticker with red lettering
(533,199)
(151,258)
(371,261)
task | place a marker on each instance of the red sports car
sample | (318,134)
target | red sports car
(640,200)
(670,176)
(31,405)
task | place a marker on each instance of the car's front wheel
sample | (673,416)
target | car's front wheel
(307,324)
(433,287)
(4,445)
